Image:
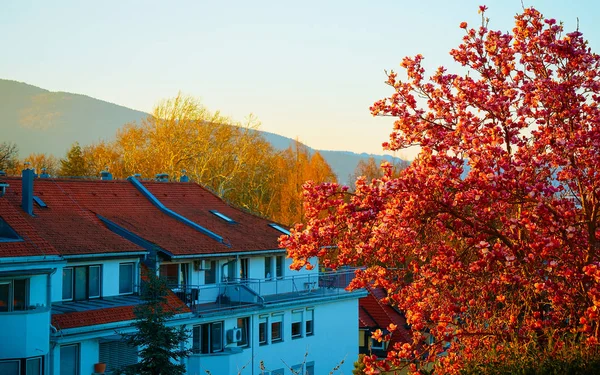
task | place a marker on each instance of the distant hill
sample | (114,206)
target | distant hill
(42,121)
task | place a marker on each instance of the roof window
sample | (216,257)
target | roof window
(39,202)
(7,234)
(280,228)
(221,216)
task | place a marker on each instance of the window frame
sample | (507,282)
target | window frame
(279,266)
(198,332)
(77,358)
(246,332)
(309,320)
(7,233)
(10,302)
(17,361)
(268,268)
(297,320)
(73,281)
(264,322)
(377,345)
(276,320)
(133,273)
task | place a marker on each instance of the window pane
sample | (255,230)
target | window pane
(9,367)
(210,275)
(20,294)
(33,366)
(268,272)
(170,272)
(69,360)
(296,329)
(244,325)
(67,287)
(81,283)
(125,278)
(94,281)
(216,336)
(196,339)
(309,316)
(279,265)
(276,332)
(4,296)
(262,333)
(310,368)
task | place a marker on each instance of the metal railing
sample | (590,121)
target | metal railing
(249,292)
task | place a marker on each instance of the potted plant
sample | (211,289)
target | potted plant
(99,368)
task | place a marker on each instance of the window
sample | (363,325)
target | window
(81,282)
(69,359)
(308,321)
(10,367)
(244,325)
(279,371)
(310,368)
(244,269)
(175,273)
(277,328)
(279,262)
(262,331)
(7,234)
(222,216)
(296,324)
(25,366)
(117,354)
(297,369)
(268,271)
(126,280)
(210,274)
(13,295)
(377,345)
(207,338)
(33,366)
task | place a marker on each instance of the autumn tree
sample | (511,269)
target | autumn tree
(489,240)
(74,164)
(40,162)
(369,169)
(8,155)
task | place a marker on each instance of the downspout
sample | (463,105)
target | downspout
(50,360)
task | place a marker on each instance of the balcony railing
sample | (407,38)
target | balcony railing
(248,293)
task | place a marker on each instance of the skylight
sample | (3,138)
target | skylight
(39,201)
(7,234)
(221,216)
(280,228)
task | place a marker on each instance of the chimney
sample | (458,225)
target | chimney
(183,177)
(105,175)
(44,174)
(27,191)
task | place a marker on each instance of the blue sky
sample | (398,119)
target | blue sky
(307,69)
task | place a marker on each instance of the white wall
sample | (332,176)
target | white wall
(110,276)
(335,339)
(38,290)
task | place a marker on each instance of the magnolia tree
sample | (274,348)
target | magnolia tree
(489,240)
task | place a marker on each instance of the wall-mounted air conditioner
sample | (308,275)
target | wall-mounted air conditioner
(234,335)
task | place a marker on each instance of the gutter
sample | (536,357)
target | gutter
(237,253)
(182,219)
(106,255)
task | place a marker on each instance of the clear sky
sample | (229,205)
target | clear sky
(307,69)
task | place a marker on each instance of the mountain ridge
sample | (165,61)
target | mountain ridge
(38,120)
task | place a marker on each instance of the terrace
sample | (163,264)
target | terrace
(252,293)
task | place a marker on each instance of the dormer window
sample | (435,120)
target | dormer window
(280,228)
(223,217)
(7,234)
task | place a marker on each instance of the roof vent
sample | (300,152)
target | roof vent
(184,177)
(162,177)
(44,173)
(280,228)
(137,175)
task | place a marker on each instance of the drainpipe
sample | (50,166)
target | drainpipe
(50,360)
(27,191)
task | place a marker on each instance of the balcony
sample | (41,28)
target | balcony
(251,293)
(25,333)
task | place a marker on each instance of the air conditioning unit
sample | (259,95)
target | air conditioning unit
(234,335)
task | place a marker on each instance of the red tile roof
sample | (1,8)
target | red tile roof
(67,224)
(374,314)
(109,315)
(249,232)
(32,245)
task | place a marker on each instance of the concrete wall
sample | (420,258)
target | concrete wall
(335,339)
(38,290)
